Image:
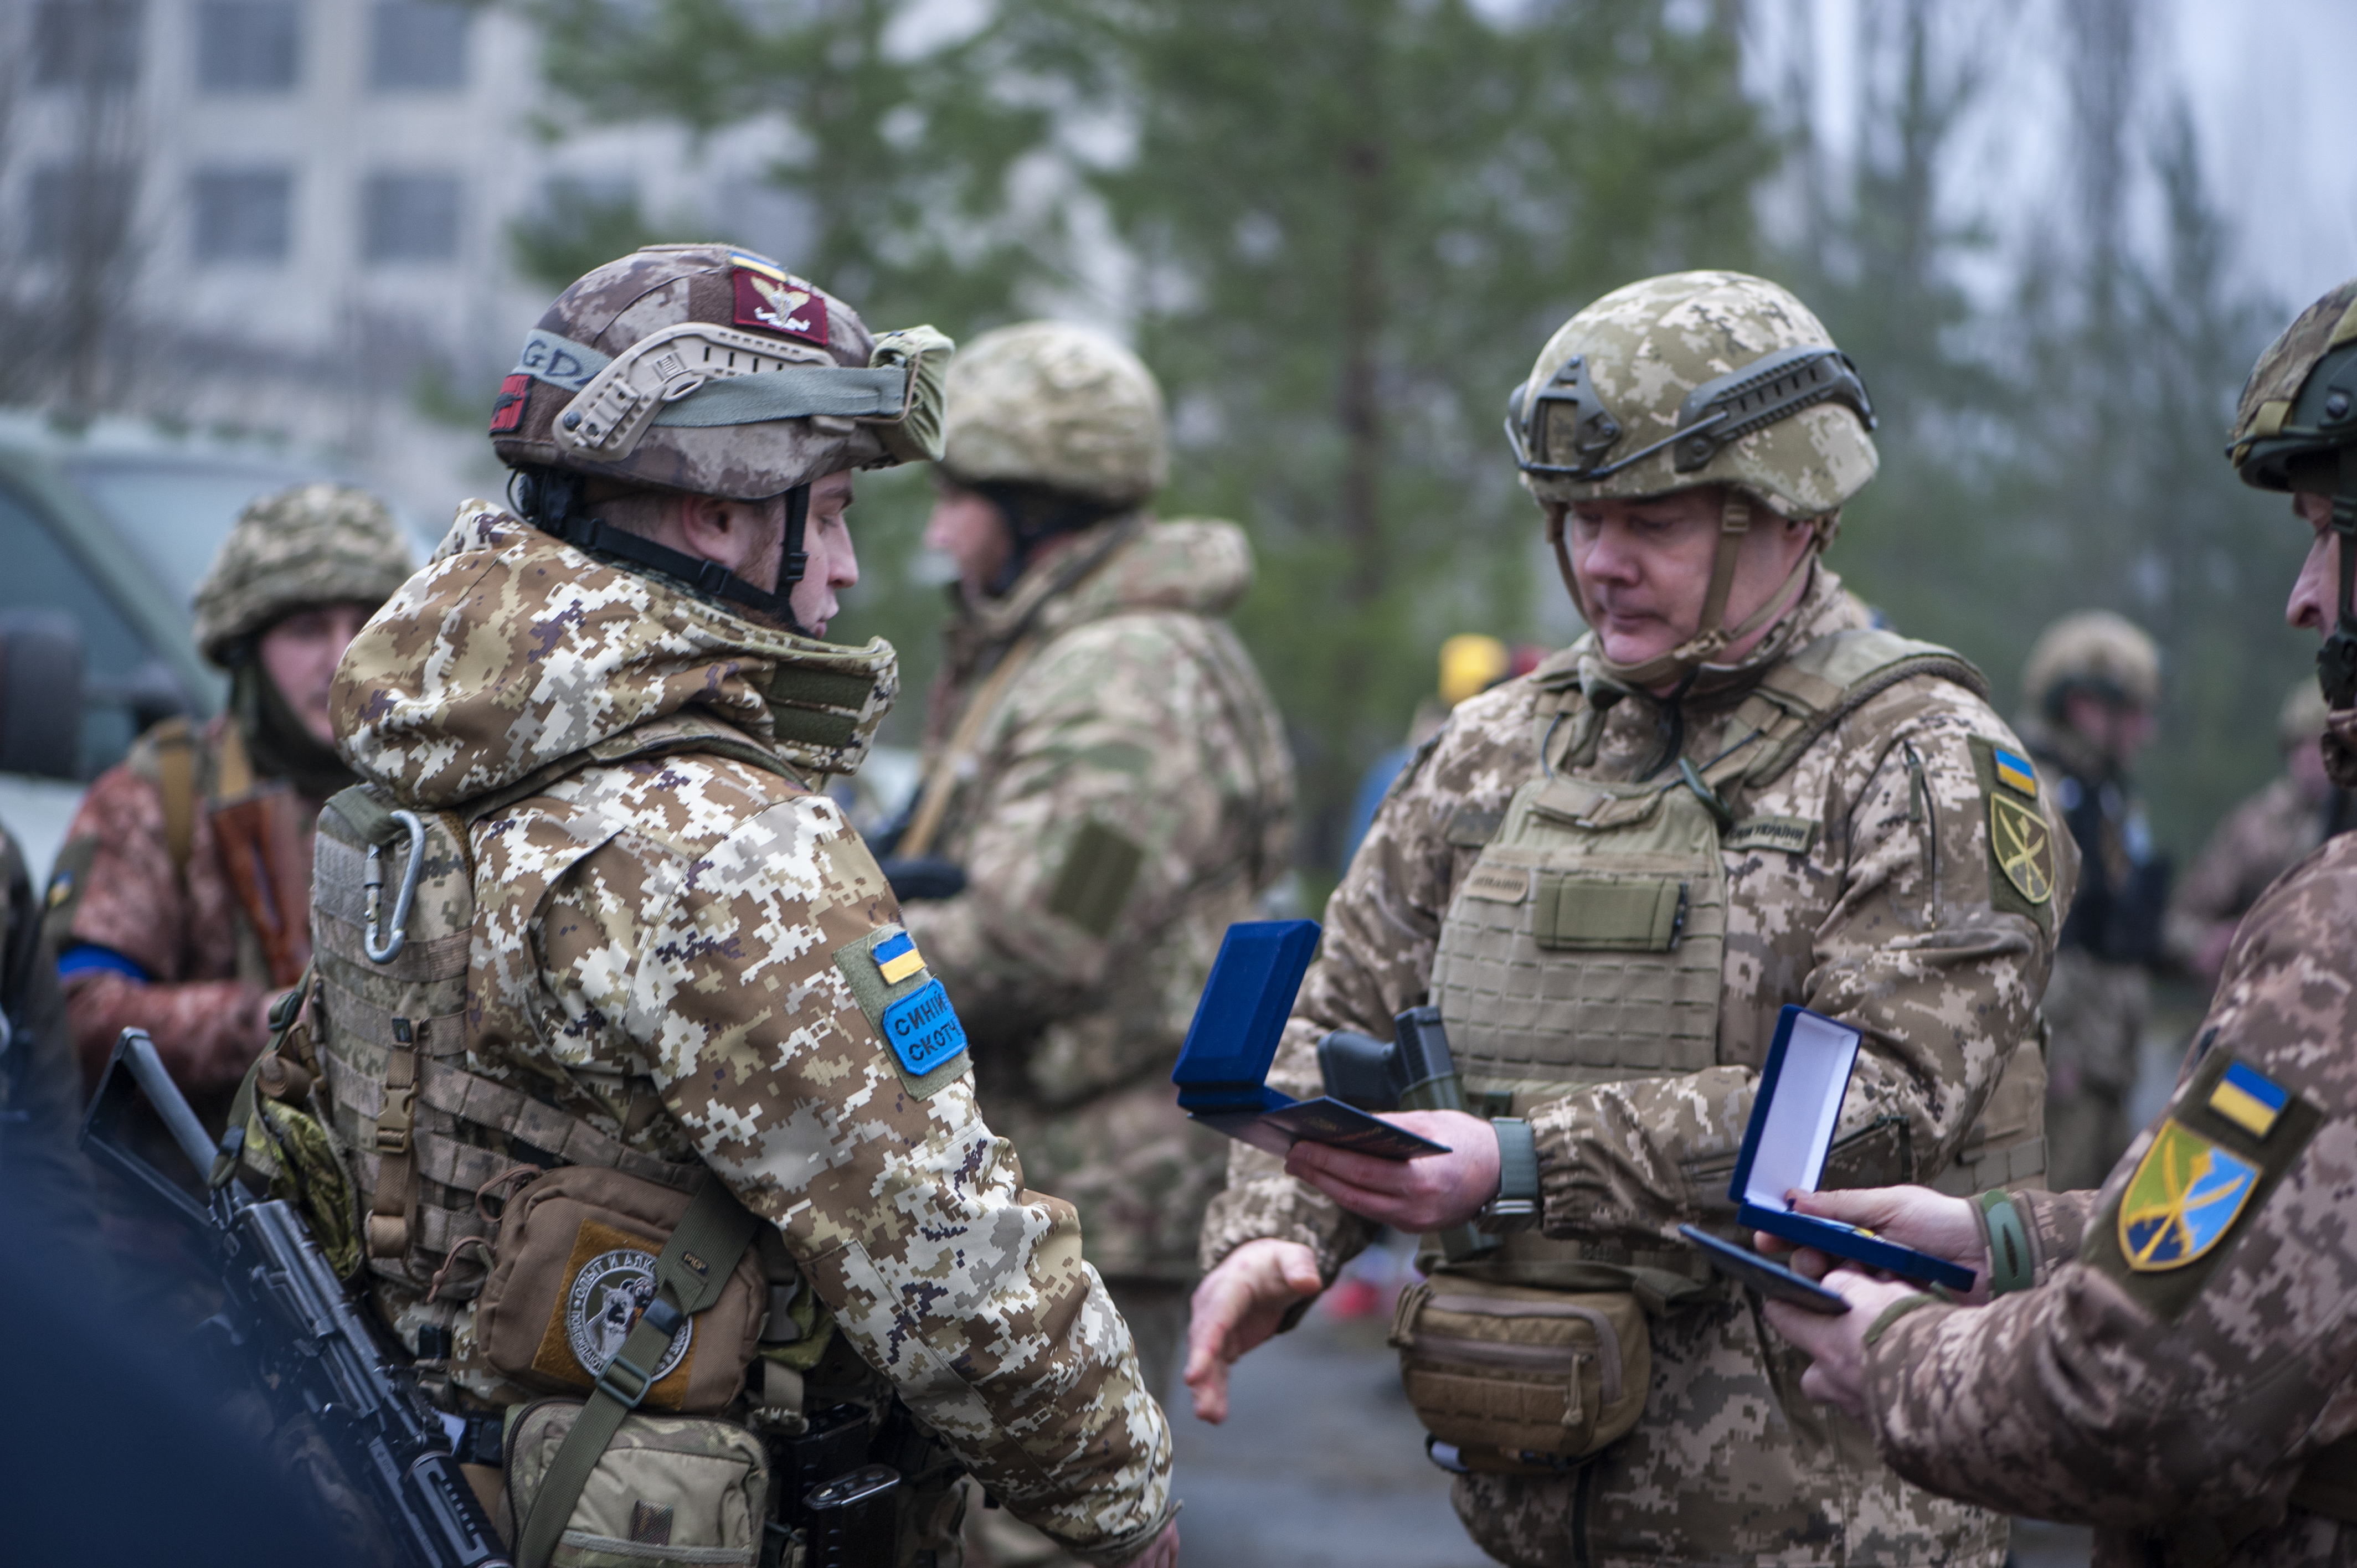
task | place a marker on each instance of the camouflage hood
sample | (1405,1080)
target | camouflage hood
(513,654)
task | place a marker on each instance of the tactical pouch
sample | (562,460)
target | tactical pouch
(574,1267)
(1519,1379)
(667,1490)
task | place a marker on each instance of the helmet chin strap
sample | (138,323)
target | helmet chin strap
(550,501)
(1713,635)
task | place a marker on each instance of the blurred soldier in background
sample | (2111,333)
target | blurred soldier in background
(180,903)
(1471,663)
(2171,1357)
(1107,778)
(2089,691)
(1611,876)
(682,970)
(2259,840)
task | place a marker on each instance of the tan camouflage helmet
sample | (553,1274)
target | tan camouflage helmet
(1702,378)
(714,370)
(1059,406)
(313,545)
(2093,651)
(2298,410)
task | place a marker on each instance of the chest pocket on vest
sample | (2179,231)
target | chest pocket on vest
(1586,944)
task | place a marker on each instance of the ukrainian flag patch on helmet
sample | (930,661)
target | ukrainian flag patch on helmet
(2186,1195)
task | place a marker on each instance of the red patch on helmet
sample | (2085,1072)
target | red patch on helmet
(779,304)
(508,412)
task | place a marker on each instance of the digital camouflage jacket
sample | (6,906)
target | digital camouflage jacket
(1895,917)
(2190,1351)
(1128,796)
(2260,840)
(669,942)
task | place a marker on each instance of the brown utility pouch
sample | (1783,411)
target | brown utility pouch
(574,1266)
(667,1490)
(1521,1379)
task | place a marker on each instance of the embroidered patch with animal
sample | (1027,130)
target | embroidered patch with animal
(769,300)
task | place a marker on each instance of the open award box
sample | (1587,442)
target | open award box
(1224,1064)
(1793,1116)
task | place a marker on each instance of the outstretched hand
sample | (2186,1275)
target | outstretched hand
(1238,1307)
(1431,1192)
(1913,1216)
(1837,1346)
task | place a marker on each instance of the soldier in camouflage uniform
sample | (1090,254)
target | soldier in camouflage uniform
(1111,780)
(679,941)
(2089,689)
(1838,819)
(181,902)
(2259,840)
(2183,1376)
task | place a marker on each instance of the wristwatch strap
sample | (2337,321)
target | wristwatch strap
(2011,1264)
(1516,1206)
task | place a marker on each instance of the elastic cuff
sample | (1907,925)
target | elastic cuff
(1895,1311)
(1125,1548)
(2011,1264)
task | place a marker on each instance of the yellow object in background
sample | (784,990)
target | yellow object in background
(1470,665)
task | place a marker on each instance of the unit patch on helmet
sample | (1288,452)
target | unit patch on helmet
(508,412)
(768,300)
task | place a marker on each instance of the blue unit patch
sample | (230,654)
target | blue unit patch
(923,1030)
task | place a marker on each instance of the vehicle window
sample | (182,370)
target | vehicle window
(126,686)
(175,515)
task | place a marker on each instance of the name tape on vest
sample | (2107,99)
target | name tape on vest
(1497,884)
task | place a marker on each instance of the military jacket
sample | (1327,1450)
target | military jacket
(2260,840)
(676,941)
(2190,1356)
(1868,887)
(204,977)
(1128,795)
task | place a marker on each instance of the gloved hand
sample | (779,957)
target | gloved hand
(923,876)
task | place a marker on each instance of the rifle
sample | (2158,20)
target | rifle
(312,1350)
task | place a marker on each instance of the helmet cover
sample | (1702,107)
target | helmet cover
(318,543)
(2094,651)
(1057,405)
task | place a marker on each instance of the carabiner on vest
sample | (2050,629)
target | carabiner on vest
(373,879)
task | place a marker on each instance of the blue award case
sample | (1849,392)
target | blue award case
(1224,1066)
(1792,1131)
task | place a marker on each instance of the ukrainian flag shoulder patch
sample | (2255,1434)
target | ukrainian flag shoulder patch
(2014,770)
(897,957)
(2249,1098)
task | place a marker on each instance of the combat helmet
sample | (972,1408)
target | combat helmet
(1057,425)
(712,370)
(1701,378)
(2296,429)
(313,545)
(2092,652)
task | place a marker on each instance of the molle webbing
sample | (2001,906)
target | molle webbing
(420,1134)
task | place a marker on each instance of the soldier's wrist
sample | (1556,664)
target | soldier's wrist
(1517,1205)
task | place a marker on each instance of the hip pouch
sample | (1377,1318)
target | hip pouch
(667,1489)
(572,1270)
(1521,1381)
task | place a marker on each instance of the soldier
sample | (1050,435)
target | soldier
(683,963)
(180,902)
(2183,1376)
(1611,875)
(2089,689)
(2258,842)
(1110,779)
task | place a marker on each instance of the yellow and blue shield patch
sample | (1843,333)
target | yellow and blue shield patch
(2185,1196)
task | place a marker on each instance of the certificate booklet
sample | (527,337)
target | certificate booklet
(1789,1135)
(1224,1066)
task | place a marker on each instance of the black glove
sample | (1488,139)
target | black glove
(923,876)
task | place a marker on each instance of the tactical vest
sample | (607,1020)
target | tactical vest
(1586,944)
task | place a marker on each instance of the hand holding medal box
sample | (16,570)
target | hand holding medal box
(1233,1042)
(1793,1115)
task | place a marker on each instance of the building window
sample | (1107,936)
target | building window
(409,218)
(77,213)
(243,215)
(247,45)
(86,43)
(417,44)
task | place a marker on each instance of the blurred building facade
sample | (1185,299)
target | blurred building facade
(294,216)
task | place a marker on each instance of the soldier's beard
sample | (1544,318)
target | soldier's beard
(2340,744)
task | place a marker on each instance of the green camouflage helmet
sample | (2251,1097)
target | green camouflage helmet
(1057,405)
(313,545)
(2300,407)
(1703,377)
